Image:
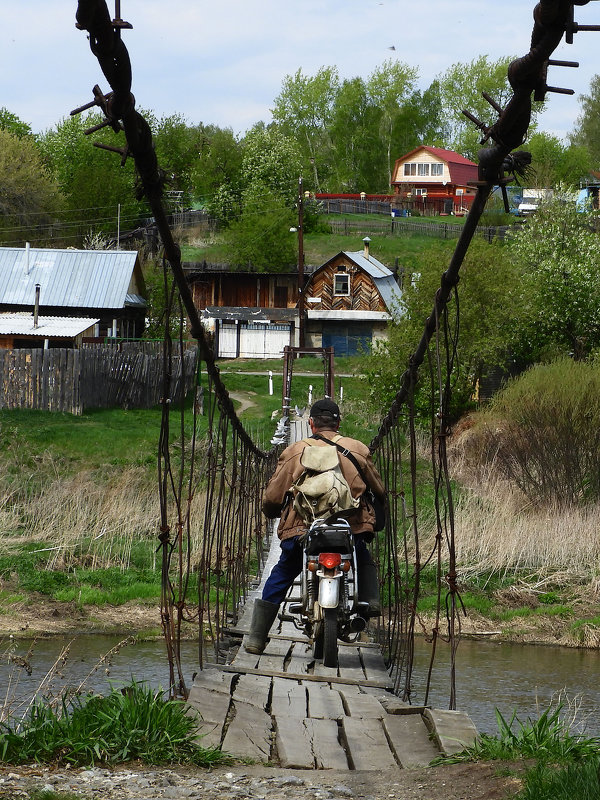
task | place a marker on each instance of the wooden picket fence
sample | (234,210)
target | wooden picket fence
(100,377)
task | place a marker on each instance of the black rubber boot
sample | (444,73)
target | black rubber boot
(263,616)
(368,588)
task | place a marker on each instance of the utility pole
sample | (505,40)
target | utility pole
(301,304)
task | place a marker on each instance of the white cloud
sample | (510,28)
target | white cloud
(224,62)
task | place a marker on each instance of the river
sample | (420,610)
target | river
(489,675)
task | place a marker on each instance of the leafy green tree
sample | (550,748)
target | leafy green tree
(29,197)
(92,180)
(553,162)
(461,87)
(216,174)
(260,239)
(273,160)
(11,123)
(487,291)
(390,87)
(558,255)
(178,146)
(586,130)
(358,158)
(304,109)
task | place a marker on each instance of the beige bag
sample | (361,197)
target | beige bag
(321,491)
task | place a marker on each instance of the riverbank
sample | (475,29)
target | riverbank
(136,782)
(40,616)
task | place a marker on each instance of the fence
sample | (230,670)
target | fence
(403,226)
(99,377)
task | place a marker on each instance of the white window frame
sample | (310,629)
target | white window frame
(410,169)
(437,170)
(423,169)
(421,192)
(336,289)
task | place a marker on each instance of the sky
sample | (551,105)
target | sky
(224,62)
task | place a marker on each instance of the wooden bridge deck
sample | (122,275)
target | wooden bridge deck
(285,708)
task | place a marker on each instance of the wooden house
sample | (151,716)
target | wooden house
(250,314)
(434,180)
(350,300)
(106,285)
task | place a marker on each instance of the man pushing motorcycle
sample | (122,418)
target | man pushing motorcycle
(359,474)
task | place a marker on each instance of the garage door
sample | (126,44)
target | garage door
(348,340)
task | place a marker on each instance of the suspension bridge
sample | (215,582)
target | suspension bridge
(282,704)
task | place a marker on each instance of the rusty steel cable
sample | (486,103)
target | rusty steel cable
(235,468)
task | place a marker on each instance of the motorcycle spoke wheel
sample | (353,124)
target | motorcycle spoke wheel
(330,646)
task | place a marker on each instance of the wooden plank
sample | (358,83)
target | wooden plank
(374,665)
(214,679)
(324,702)
(410,740)
(326,675)
(362,706)
(349,664)
(294,743)
(452,730)
(274,655)
(249,733)
(253,689)
(288,699)
(368,747)
(327,750)
(212,708)
(301,658)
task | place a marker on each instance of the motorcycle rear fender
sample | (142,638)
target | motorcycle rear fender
(329,591)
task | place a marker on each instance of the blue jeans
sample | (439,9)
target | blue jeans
(289,566)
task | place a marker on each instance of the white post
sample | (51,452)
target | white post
(310,391)
(118,225)
(341,394)
(270,382)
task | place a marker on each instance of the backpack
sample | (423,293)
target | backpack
(321,491)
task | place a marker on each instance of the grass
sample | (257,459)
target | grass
(135,723)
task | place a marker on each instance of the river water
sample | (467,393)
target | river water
(489,675)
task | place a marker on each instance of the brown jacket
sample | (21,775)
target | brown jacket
(277,498)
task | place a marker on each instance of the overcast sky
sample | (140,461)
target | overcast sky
(223,62)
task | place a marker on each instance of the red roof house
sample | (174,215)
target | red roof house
(434,178)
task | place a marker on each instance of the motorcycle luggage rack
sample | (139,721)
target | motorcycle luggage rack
(329,540)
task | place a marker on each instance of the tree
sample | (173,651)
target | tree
(11,123)
(304,109)
(177,148)
(359,161)
(461,87)
(92,181)
(487,291)
(273,160)
(261,238)
(587,132)
(389,87)
(558,255)
(553,162)
(216,173)
(29,197)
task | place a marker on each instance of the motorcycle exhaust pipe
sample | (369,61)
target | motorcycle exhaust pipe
(357,624)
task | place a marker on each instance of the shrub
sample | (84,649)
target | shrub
(542,433)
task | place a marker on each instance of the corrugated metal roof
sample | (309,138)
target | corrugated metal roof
(70,278)
(383,278)
(22,325)
(348,316)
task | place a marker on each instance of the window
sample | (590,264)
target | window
(421,192)
(341,283)
(410,169)
(437,169)
(423,169)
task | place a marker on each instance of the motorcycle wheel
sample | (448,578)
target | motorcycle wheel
(330,648)
(318,640)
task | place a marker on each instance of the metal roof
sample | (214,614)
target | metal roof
(250,314)
(21,324)
(383,278)
(71,278)
(348,316)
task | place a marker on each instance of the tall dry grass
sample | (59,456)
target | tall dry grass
(90,517)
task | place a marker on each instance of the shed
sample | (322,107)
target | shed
(23,330)
(107,284)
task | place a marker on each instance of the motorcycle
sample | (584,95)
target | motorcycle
(329,608)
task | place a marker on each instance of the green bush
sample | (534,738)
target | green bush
(578,781)
(134,723)
(542,433)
